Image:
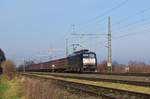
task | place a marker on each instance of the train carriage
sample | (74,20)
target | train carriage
(79,61)
(57,65)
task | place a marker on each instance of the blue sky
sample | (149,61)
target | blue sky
(30,29)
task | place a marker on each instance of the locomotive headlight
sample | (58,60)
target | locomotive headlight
(53,66)
(89,61)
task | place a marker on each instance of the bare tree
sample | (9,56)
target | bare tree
(9,69)
(102,67)
(138,67)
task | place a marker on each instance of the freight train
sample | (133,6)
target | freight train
(79,61)
(2,58)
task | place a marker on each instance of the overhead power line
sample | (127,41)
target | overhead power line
(131,33)
(104,15)
(74,34)
(130,16)
(134,23)
(111,10)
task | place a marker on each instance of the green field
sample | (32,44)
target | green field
(3,87)
(10,89)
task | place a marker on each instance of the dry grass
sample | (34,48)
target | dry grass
(47,89)
(37,89)
(9,69)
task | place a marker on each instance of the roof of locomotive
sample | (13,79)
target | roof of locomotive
(80,52)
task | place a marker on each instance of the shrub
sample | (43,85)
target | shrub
(102,67)
(9,69)
(138,67)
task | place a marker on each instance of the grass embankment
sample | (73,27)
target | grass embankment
(10,89)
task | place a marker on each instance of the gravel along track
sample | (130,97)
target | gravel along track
(121,74)
(120,91)
(133,80)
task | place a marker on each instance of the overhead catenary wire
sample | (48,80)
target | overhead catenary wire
(132,33)
(104,15)
(128,27)
(111,10)
(130,24)
(130,16)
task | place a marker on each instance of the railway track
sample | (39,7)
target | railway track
(133,80)
(85,89)
(121,74)
(97,88)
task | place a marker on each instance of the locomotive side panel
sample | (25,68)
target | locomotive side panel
(75,62)
(59,65)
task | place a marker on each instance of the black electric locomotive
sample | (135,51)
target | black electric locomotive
(82,60)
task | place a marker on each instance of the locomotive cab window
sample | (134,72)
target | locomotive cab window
(88,55)
(85,55)
(91,55)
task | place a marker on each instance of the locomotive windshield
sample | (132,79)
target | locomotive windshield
(89,55)
(92,55)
